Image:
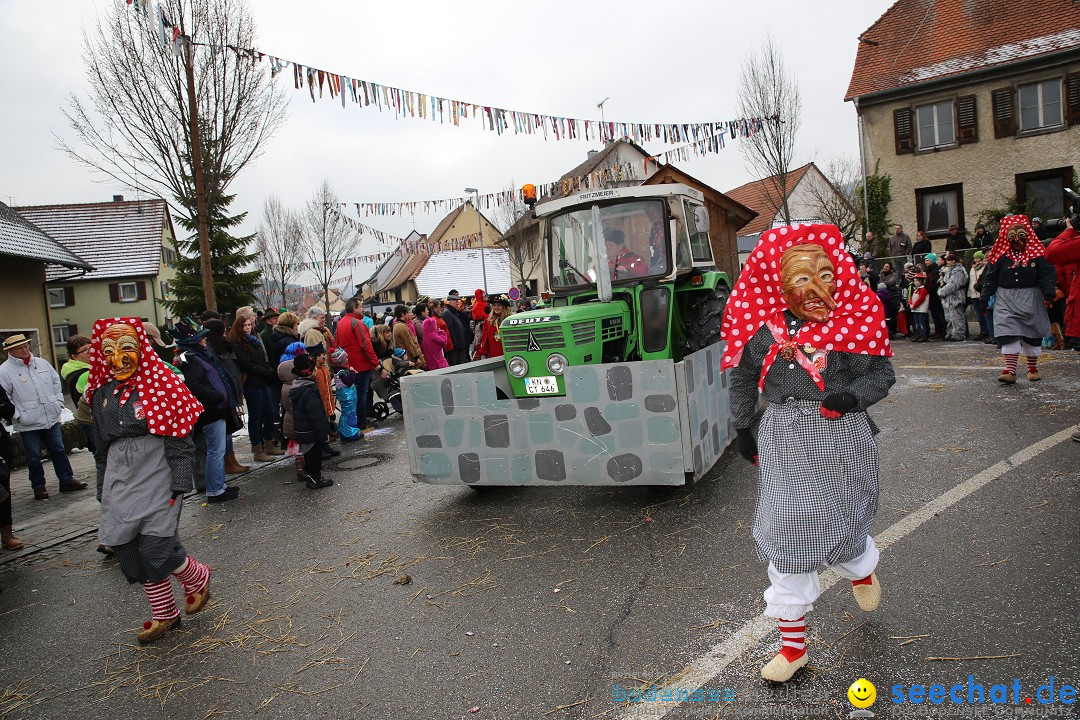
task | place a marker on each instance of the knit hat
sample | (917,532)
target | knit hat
(932,257)
(978,255)
(303,366)
(187,334)
(339,357)
(291,351)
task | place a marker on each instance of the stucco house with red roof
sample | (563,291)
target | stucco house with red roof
(130,245)
(806,188)
(968,104)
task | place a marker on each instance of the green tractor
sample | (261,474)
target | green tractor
(615,381)
(632,277)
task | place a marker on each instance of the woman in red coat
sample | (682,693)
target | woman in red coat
(490,340)
(1064,252)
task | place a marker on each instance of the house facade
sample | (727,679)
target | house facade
(811,197)
(130,244)
(397,279)
(970,107)
(27,253)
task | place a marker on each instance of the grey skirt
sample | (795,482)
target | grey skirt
(817,488)
(1020,312)
(136,492)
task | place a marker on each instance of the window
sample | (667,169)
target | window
(939,207)
(60,334)
(164,290)
(1040,105)
(57,298)
(935,125)
(1044,190)
(129,292)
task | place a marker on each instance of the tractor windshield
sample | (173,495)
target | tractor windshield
(635,237)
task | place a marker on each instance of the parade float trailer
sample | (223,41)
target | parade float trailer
(616,381)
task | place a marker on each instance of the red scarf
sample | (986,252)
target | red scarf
(171,410)
(1032,250)
(857,325)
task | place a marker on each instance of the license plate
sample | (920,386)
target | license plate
(547,385)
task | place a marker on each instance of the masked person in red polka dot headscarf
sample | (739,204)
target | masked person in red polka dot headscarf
(143,417)
(807,334)
(1022,281)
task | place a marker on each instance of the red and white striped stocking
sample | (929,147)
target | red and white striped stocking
(193,575)
(162,602)
(1010,363)
(793,636)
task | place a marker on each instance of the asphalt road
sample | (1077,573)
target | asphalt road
(384,598)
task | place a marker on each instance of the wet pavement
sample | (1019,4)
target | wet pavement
(384,598)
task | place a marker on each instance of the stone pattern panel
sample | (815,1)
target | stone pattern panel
(617,425)
(706,391)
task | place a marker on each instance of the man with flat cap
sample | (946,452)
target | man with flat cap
(35,388)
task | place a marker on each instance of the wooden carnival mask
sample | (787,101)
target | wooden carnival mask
(808,282)
(121,350)
(1018,237)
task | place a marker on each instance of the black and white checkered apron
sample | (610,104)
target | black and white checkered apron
(817,487)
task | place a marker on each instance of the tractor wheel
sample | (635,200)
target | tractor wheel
(703,325)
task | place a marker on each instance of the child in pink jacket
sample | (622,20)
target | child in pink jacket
(433,344)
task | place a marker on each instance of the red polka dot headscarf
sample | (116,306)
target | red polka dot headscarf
(171,410)
(1032,250)
(857,325)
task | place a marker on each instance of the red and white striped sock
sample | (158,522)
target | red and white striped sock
(1033,363)
(193,575)
(793,636)
(162,603)
(1010,363)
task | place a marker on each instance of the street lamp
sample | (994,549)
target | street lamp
(480,227)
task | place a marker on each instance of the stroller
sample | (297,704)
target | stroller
(389,389)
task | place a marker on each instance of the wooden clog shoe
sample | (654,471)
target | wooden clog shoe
(867,592)
(154,629)
(196,601)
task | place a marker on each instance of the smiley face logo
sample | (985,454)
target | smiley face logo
(862,693)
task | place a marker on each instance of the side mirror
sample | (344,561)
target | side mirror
(701,218)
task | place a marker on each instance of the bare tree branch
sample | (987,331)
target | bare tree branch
(837,202)
(134,127)
(328,238)
(281,249)
(520,238)
(768,91)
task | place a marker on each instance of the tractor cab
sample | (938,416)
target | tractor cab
(626,267)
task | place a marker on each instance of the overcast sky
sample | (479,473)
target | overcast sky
(655,62)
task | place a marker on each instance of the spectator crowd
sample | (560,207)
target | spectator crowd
(297,385)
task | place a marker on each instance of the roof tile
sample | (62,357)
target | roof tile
(120,239)
(920,40)
(757,196)
(19,237)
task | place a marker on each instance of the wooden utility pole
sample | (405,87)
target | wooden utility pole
(200,182)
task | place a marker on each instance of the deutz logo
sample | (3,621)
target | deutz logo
(533,346)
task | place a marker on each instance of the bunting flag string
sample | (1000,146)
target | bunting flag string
(712,142)
(413,104)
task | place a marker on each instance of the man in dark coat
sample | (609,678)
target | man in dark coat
(460,353)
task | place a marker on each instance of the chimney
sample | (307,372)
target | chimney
(118,198)
(592,153)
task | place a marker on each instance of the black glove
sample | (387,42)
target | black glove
(746,445)
(836,404)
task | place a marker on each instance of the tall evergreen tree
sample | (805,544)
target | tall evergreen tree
(233,285)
